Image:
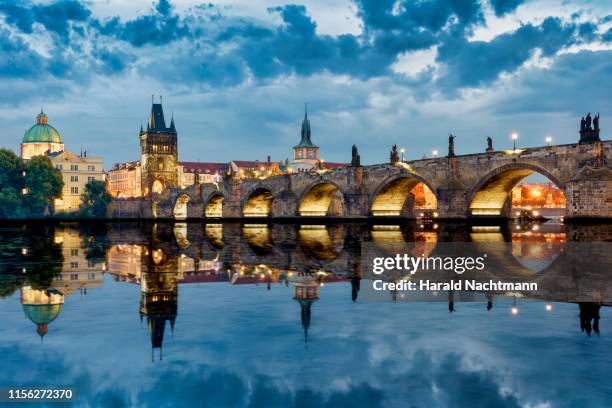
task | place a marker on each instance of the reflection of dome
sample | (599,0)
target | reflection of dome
(42,315)
(42,132)
(41,306)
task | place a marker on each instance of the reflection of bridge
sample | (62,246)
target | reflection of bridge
(575,267)
(464,186)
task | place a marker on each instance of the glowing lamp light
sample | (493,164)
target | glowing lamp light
(549,140)
(514,137)
(434,153)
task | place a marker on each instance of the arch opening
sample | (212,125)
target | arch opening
(259,203)
(214,208)
(320,200)
(180,208)
(157,187)
(518,193)
(404,196)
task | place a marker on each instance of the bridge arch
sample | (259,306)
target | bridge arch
(391,196)
(321,198)
(213,205)
(180,207)
(258,203)
(491,195)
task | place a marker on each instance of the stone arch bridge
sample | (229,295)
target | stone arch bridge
(474,185)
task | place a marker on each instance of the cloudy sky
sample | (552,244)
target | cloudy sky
(236,74)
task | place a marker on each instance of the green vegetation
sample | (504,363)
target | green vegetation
(37,178)
(95,200)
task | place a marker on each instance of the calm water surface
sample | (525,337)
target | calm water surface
(279,315)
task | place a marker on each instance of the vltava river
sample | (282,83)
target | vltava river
(279,315)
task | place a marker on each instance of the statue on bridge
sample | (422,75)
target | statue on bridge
(451,145)
(356,159)
(589,129)
(490,144)
(394,156)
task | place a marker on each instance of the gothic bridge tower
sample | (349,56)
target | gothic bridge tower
(158,153)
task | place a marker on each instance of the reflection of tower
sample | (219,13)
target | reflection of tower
(306,292)
(355,286)
(158,295)
(41,306)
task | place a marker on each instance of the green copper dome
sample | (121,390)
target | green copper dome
(42,314)
(42,132)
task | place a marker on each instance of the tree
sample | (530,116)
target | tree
(11,185)
(43,183)
(95,199)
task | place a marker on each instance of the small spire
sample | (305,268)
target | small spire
(160,99)
(306,110)
(152,99)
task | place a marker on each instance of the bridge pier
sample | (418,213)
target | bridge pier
(452,202)
(590,198)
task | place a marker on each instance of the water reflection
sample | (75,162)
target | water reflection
(49,263)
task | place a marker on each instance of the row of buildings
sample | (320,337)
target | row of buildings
(158,166)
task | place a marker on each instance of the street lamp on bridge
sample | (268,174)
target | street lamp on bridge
(514,137)
(402,150)
(548,140)
(434,153)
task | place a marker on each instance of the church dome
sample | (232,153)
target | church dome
(42,132)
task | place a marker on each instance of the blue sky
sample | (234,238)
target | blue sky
(236,74)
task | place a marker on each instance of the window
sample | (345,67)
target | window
(74,190)
(91,168)
(74,167)
(58,166)
(74,276)
(91,264)
(90,178)
(310,154)
(299,154)
(74,265)
(91,276)
(74,252)
(74,178)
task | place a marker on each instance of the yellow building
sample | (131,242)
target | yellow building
(76,171)
(124,180)
(78,273)
(41,139)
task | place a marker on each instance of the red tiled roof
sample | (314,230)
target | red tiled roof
(252,164)
(331,165)
(190,167)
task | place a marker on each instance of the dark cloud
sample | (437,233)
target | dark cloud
(502,7)
(17,59)
(56,17)
(159,27)
(475,63)
(209,50)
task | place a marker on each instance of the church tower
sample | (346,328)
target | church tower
(305,153)
(158,152)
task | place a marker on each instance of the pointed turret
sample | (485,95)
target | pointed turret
(172,128)
(305,134)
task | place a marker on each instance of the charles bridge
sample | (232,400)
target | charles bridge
(464,186)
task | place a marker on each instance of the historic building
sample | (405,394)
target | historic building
(208,172)
(124,180)
(305,153)
(76,171)
(158,153)
(41,139)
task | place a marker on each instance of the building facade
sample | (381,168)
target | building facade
(158,153)
(76,171)
(305,153)
(124,180)
(42,139)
